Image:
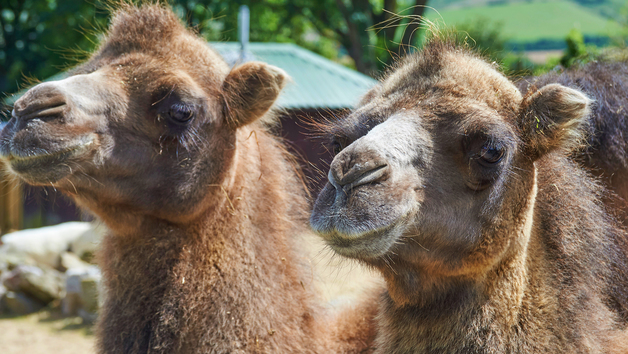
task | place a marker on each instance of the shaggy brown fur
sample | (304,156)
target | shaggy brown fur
(459,190)
(606,152)
(157,137)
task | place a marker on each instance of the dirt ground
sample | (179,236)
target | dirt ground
(339,282)
(542,56)
(45,333)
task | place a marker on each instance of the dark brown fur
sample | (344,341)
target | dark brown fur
(461,193)
(204,211)
(606,149)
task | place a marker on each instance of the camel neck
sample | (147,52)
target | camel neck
(467,308)
(229,280)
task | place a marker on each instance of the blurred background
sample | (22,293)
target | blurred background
(333,49)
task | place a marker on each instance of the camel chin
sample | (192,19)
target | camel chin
(338,214)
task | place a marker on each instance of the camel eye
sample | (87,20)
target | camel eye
(181,113)
(483,149)
(336,147)
(491,154)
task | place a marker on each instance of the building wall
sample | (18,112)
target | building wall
(304,141)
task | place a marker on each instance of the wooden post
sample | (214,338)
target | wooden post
(11,202)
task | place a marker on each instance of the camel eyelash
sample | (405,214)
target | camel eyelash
(336,144)
(181,113)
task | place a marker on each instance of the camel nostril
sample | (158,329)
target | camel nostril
(358,174)
(43,100)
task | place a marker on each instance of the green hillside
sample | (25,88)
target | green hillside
(529,22)
(613,9)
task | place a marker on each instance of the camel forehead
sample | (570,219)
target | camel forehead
(451,72)
(480,80)
(156,32)
(144,27)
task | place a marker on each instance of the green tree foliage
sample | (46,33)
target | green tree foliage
(38,38)
(486,36)
(575,48)
(374,32)
(577,52)
(270,21)
(621,39)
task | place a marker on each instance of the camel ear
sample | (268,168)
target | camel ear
(553,117)
(250,90)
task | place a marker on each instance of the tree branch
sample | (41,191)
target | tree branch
(413,25)
(355,49)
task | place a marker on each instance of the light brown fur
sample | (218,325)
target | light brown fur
(170,148)
(461,193)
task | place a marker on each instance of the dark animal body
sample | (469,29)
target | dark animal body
(462,193)
(606,151)
(170,149)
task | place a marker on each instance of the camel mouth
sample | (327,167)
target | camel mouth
(50,166)
(364,246)
(364,223)
(346,231)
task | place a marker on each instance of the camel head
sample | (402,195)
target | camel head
(146,124)
(436,161)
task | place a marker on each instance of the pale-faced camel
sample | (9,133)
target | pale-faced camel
(461,192)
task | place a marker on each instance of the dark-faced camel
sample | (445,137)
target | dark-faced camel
(461,192)
(170,149)
(605,152)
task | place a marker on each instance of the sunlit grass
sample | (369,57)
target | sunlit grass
(530,22)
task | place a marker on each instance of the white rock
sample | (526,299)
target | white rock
(83,292)
(88,242)
(10,260)
(3,291)
(71,304)
(19,304)
(44,244)
(70,260)
(74,276)
(42,283)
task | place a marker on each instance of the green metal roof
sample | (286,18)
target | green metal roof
(317,82)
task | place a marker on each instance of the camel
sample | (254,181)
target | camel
(605,153)
(170,148)
(461,192)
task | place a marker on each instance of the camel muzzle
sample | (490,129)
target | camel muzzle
(42,101)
